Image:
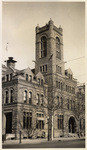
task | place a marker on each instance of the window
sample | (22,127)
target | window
(7,97)
(71,76)
(71,104)
(42,99)
(25,96)
(40,68)
(56,83)
(70,89)
(30,78)
(7,77)
(58,51)
(61,102)
(83,123)
(30,97)
(11,76)
(43,68)
(40,124)
(73,90)
(61,86)
(60,121)
(11,96)
(58,69)
(58,100)
(74,105)
(26,77)
(46,67)
(38,99)
(68,103)
(43,46)
(40,115)
(27,120)
(80,124)
(41,81)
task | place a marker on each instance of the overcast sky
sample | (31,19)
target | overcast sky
(19,20)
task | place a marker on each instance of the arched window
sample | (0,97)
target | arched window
(42,100)
(58,50)
(11,96)
(61,102)
(43,46)
(25,96)
(57,43)
(38,99)
(30,97)
(7,97)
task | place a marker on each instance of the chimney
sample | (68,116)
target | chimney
(11,62)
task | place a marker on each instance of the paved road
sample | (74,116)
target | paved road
(52,144)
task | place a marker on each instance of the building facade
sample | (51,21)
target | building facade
(41,102)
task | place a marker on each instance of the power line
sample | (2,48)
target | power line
(79,75)
(75,59)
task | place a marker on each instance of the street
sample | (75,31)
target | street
(50,144)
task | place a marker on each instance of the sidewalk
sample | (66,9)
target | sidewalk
(34,141)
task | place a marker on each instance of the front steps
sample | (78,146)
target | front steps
(10,136)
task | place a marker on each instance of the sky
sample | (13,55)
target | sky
(19,20)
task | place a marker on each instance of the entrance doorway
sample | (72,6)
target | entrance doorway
(9,122)
(72,125)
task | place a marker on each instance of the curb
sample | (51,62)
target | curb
(10,142)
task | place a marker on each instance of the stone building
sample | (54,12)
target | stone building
(24,103)
(41,102)
(80,94)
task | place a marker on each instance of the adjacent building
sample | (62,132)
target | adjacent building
(42,102)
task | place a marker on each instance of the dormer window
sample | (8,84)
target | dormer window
(30,78)
(39,80)
(7,77)
(11,76)
(26,77)
(43,46)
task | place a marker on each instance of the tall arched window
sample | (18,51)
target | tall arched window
(30,97)
(58,50)
(7,97)
(43,46)
(25,96)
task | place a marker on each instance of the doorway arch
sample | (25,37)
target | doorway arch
(72,125)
